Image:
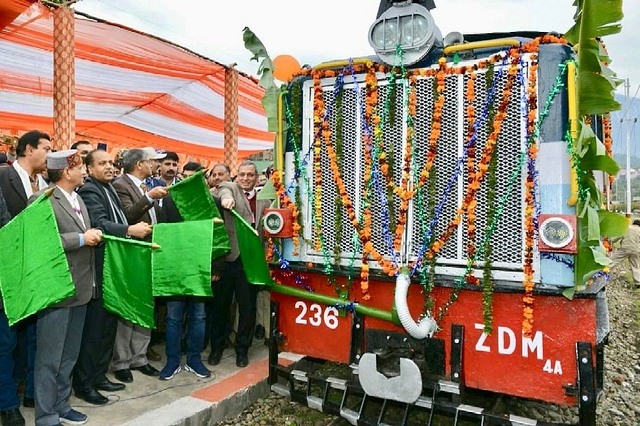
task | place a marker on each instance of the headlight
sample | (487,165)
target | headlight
(273,222)
(556,232)
(407,25)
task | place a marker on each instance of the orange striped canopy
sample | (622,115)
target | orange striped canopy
(132,89)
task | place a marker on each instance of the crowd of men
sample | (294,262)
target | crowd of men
(74,343)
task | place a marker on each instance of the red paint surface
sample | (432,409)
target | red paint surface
(497,364)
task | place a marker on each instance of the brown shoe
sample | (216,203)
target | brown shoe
(153,355)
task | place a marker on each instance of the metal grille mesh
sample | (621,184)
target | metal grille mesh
(507,239)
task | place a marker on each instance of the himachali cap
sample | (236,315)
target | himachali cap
(152,154)
(62,159)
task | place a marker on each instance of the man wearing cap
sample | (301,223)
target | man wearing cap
(18,182)
(139,204)
(98,336)
(155,156)
(60,326)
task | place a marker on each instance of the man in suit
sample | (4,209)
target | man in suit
(18,182)
(60,326)
(98,336)
(138,204)
(240,195)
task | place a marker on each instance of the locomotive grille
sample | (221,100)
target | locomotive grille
(507,239)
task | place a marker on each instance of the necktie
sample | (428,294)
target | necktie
(152,210)
(115,209)
(252,207)
(76,208)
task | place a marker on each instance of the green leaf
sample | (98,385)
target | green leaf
(254,45)
(612,224)
(593,224)
(601,162)
(590,260)
(585,139)
(600,255)
(569,292)
(596,94)
(267,80)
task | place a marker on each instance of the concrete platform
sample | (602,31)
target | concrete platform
(186,399)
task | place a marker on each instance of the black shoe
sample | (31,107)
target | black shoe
(123,375)
(147,370)
(12,418)
(242,360)
(92,396)
(214,358)
(109,386)
(259,332)
(28,402)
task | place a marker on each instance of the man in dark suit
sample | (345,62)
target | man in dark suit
(60,326)
(138,204)
(240,195)
(18,182)
(105,212)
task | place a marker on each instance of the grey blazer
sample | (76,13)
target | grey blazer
(81,260)
(228,190)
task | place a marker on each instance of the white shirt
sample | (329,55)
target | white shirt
(73,200)
(137,182)
(26,182)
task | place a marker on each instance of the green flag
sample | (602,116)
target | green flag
(194,202)
(34,273)
(182,266)
(126,281)
(252,254)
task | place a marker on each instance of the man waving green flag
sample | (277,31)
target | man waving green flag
(34,273)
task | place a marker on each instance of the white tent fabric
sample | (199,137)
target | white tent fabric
(132,89)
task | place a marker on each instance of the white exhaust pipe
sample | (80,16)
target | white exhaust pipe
(427,325)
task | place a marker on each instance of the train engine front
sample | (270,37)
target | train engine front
(430,223)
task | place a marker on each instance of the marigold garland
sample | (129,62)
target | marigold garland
(285,202)
(608,146)
(471,167)
(475,179)
(529,198)
(319,131)
(477,170)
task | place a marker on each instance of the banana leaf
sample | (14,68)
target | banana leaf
(267,80)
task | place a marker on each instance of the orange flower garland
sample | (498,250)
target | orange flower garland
(608,144)
(287,203)
(318,107)
(529,197)
(476,170)
(471,167)
(478,175)
(403,192)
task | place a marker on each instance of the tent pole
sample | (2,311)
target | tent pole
(231,118)
(64,82)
